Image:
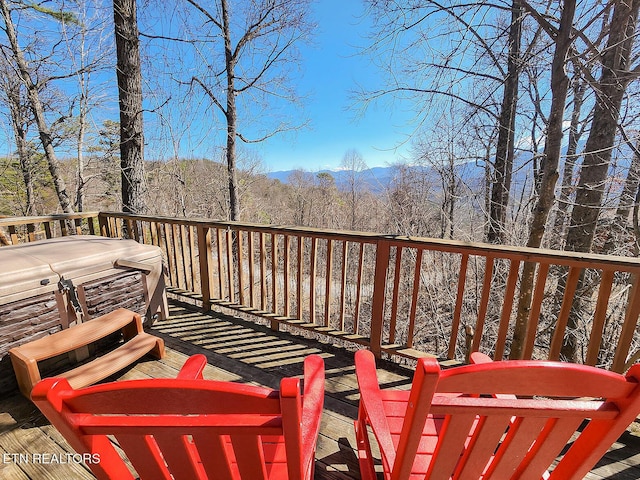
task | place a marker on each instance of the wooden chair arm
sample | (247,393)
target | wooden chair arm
(312,403)
(193,367)
(478,357)
(371,404)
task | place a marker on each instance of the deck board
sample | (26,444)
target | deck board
(241,351)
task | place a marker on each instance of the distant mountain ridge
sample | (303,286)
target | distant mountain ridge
(379,179)
(376,178)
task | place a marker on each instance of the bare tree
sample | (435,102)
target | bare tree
(480,68)
(617,72)
(129,75)
(20,120)
(354,164)
(551,159)
(36,105)
(576,128)
(505,150)
(88,52)
(247,51)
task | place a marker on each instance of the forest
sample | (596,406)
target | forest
(526,118)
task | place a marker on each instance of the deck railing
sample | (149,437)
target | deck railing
(396,295)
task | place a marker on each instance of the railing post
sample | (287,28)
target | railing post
(103,222)
(383,252)
(205,261)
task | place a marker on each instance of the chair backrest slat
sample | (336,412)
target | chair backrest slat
(556,435)
(249,455)
(215,461)
(490,431)
(180,455)
(519,438)
(145,456)
(454,433)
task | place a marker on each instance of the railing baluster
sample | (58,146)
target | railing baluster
(356,308)
(241,283)
(534,313)
(185,255)
(177,252)
(507,305)
(287,267)
(31,232)
(328,283)
(312,279)
(484,304)
(457,312)
(395,295)
(63,227)
(599,316)
(230,266)
(565,310)
(300,276)
(192,255)
(13,234)
(263,273)
(414,298)
(170,260)
(221,288)
(343,288)
(252,278)
(153,230)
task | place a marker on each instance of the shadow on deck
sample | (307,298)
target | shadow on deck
(241,351)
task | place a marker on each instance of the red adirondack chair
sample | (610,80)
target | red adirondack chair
(493,420)
(189,428)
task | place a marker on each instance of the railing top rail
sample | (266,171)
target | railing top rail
(367,237)
(605,262)
(8,221)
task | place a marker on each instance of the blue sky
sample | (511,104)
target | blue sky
(332,70)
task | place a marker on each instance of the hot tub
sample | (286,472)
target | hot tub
(52,284)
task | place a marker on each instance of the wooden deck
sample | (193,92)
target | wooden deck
(239,351)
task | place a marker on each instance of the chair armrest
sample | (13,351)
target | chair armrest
(312,404)
(193,367)
(477,357)
(371,403)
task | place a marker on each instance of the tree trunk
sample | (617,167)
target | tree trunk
(37,109)
(549,167)
(19,127)
(25,166)
(595,165)
(505,146)
(130,95)
(618,233)
(231,116)
(566,189)
(81,181)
